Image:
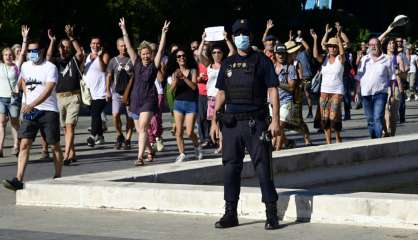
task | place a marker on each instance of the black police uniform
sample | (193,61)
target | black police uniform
(245,80)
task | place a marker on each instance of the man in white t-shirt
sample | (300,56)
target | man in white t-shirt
(40,111)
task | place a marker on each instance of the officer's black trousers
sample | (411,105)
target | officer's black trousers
(235,140)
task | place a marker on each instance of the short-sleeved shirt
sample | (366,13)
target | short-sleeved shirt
(68,74)
(113,68)
(288,72)
(303,58)
(36,77)
(373,75)
(202,85)
(413,64)
(144,94)
(264,73)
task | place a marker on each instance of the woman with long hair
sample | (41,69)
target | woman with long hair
(394,89)
(183,69)
(141,94)
(10,99)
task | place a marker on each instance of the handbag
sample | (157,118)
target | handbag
(85,91)
(16,97)
(316,83)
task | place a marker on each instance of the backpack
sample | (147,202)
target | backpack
(122,77)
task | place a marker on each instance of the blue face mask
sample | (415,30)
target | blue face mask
(242,42)
(33,56)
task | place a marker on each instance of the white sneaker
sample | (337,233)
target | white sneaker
(408,99)
(198,152)
(99,140)
(181,158)
(160,144)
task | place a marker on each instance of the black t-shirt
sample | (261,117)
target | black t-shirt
(184,92)
(68,74)
(264,73)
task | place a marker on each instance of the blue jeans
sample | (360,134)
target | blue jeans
(374,109)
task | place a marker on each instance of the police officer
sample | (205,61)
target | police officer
(244,81)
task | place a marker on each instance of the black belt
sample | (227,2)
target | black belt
(258,114)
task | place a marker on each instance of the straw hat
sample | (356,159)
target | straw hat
(332,41)
(292,47)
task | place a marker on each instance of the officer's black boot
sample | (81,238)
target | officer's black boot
(272,221)
(230,218)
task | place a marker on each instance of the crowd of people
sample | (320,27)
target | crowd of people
(43,89)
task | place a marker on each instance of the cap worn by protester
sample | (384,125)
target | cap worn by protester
(292,47)
(241,26)
(280,48)
(270,38)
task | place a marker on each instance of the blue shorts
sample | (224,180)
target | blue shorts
(185,107)
(8,108)
(134,116)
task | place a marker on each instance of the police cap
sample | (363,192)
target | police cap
(241,26)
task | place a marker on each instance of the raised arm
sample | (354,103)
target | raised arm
(20,58)
(315,52)
(158,56)
(69,30)
(52,40)
(131,50)
(346,40)
(341,47)
(290,35)
(306,46)
(385,33)
(269,26)
(202,58)
(231,47)
(328,30)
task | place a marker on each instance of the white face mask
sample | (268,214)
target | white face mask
(242,42)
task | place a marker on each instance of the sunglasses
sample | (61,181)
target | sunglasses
(216,52)
(181,56)
(35,50)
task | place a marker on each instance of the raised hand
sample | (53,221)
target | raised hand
(269,24)
(51,36)
(69,30)
(290,35)
(313,33)
(328,29)
(122,24)
(165,27)
(25,31)
(203,36)
(225,36)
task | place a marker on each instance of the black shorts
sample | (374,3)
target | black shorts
(48,122)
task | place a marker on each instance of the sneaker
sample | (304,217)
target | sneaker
(408,99)
(198,152)
(104,126)
(100,140)
(119,142)
(160,144)
(67,162)
(127,144)
(13,184)
(181,158)
(90,141)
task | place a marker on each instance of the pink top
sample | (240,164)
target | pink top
(201,82)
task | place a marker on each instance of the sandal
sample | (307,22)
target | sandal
(139,162)
(150,156)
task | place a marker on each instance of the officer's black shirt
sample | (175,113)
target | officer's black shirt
(264,72)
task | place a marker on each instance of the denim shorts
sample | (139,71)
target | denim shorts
(8,108)
(134,116)
(185,107)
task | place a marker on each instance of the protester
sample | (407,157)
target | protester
(141,92)
(412,74)
(269,40)
(68,86)
(184,74)
(213,64)
(402,72)
(10,97)
(394,89)
(119,71)
(374,71)
(95,76)
(290,94)
(40,111)
(332,86)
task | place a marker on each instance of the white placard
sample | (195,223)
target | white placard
(214,34)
